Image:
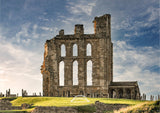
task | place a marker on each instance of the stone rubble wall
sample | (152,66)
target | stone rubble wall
(54,110)
(6,105)
(101,107)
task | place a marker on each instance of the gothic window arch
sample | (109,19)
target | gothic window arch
(63,50)
(75,73)
(75,50)
(61,73)
(89,49)
(89,73)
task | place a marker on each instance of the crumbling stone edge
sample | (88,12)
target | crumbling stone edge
(100,107)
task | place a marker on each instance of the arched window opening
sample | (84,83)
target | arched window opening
(68,93)
(63,93)
(75,73)
(75,50)
(89,73)
(61,73)
(113,93)
(89,49)
(47,81)
(63,50)
(128,92)
(120,92)
(81,93)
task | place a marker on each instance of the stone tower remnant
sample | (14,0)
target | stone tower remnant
(59,68)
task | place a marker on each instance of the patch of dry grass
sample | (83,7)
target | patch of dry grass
(146,107)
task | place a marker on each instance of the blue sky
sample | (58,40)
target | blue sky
(25,25)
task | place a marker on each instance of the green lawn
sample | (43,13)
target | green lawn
(81,103)
(65,101)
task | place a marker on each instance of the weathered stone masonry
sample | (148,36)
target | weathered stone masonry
(102,64)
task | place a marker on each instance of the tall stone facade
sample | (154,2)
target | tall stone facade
(100,56)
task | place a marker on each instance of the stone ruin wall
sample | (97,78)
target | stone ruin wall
(6,105)
(102,64)
(102,54)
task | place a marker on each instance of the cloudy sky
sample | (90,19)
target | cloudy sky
(25,25)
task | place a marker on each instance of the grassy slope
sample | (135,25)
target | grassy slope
(65,101)
(81,103)
(146,107)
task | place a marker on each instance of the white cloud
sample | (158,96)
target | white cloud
(23,32)
(124,24)
(154,13)
(134,64)
(34,34)
(3,80)
(47,28)
(81,7)
(24,35)
(132,34)
(27,41)
(19,68)
(43,19)
(67,23)
(132,17)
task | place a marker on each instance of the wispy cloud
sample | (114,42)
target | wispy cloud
(17,66)
(47,28)
(25,34)
(132,63)
(154,13)
(67,23)
(134,19)
(43,19)
(81,7)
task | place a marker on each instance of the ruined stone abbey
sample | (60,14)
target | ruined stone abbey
(82,64)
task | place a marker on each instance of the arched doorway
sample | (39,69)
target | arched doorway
(120,93)
(128,92)
(113,93)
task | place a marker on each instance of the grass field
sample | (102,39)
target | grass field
(145,107)
(65,101)
(83,104)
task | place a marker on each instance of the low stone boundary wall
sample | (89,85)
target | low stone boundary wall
(54,110)
(6,105)
(101,107)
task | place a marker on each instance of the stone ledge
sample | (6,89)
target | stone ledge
(101,107)
(54,110)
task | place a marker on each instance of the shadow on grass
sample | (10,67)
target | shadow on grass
(87,108)
(9,98)
(11,111)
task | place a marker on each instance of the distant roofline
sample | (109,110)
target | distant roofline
(124,81)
